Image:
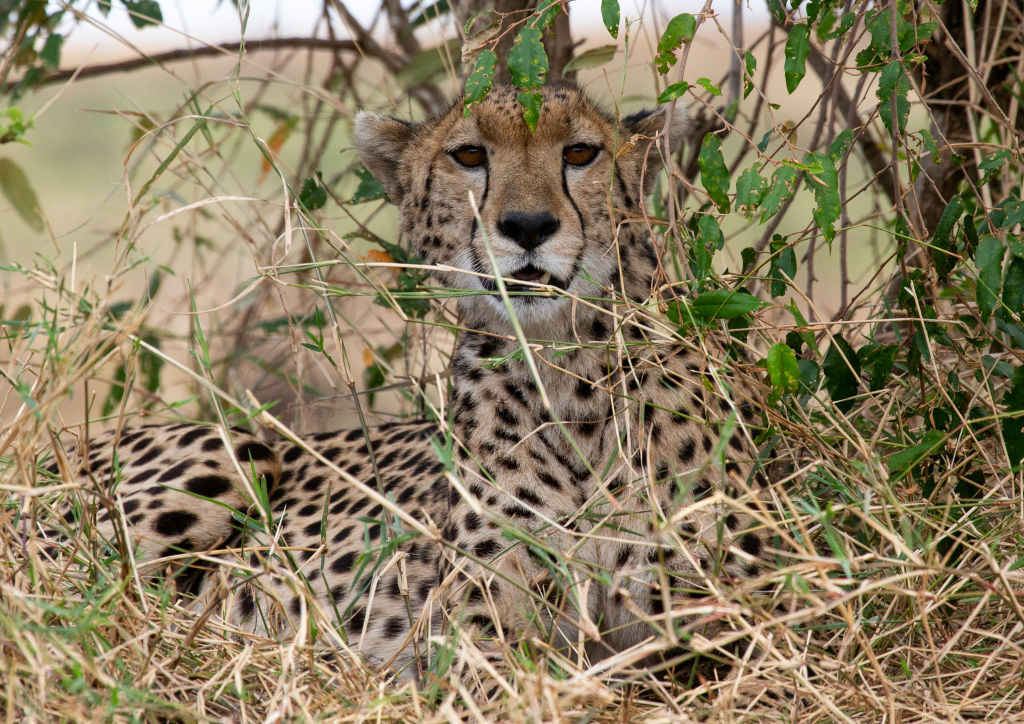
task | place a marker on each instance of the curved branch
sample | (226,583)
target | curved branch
(226,49)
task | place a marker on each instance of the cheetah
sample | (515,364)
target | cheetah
(602,482)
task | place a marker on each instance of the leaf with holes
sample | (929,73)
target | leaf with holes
(313,194)
(725,304)
(715,90)
(369,188)
(750,189)
(826,195)
(783,371)
(780,189)
(528,61)
(750,65)
(714,174)
(797,47)
(480,80)
(531,103)
(610,16)
(680,29)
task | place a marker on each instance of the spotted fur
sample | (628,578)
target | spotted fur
(604,476)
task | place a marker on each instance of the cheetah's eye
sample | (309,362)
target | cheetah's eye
(579,154)
(470,156)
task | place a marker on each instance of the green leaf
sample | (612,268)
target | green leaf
(313,194)
(942,239)
(783,265)
(528,61)
(1013,420)
(50,54)
(531,103)
(783,371)
(840,145)
(993,164)
(780,189)
(826,195)
(480,80)
(592,58)
(904,460)
(433,11)
(893,83)
(715,90)
(610,16)
(840,379)
(928,141)
(15,186)
(878,359)
(714,174)
(750,189)
(144,12)
(673,91)
(989,260)
(845,23)
(681,29)
(725,304)
(709,240)
(797,47)
(1013,286)
(748,76)
(369,187)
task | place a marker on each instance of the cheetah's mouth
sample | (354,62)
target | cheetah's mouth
(528,273)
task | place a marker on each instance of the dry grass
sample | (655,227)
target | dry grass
(898,595)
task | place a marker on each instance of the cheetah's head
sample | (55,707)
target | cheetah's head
(543,200)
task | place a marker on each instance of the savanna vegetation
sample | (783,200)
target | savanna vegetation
(848,206)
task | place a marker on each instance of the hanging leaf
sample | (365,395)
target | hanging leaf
(825,185)
(797,47)
(480,80)
(783,265)
(780,189)
(15,186)
(750,189)
(783,371)
(942,239)
(714,174)
(893,83)
(989,260)
(750,64)
(610,16)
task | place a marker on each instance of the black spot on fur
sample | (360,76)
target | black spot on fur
(208,486)
(343,563)
(191,436)
(175,471)
(174,522)
(487,549)
(394,627)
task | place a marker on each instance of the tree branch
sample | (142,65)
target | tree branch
(225,49)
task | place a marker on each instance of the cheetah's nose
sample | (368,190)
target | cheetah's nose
(528,230)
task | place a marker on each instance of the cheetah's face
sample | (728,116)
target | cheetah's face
(483,196)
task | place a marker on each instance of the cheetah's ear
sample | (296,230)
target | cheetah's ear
(381,140)
(648,124)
